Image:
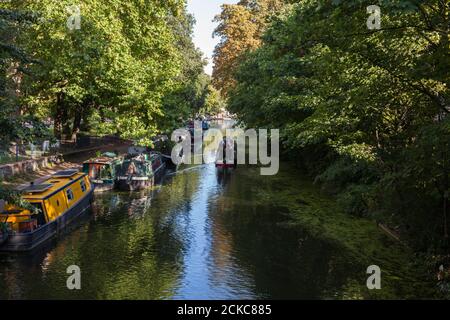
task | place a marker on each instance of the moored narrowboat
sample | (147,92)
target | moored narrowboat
(58,201)
(221,165)
(158,165)
(102,171)
(140,172)
(226,156)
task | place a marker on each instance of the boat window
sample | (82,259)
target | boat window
(69,194)
(40,217)
(83,186)
(134,168)
(106,172)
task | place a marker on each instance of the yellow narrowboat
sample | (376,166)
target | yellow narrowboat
(59,200)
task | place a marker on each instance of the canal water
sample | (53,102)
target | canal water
(205,235)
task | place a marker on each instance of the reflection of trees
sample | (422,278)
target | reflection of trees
(282,262)
(221,239)
(223,270)
(121,256)
(29,275)
(141,253)
(11,284)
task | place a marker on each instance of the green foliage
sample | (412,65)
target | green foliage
(214,102)
(131,69)
(192,88)
(13,197)
(104,65)
(239,27)
(13,61)
(367,110)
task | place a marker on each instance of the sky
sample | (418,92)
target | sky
(204,12)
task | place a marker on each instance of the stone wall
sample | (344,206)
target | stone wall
(27,166)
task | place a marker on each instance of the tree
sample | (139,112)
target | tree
(14,62)
(359,107)
(240,28)
(190,89)
(120,74)
(214,102)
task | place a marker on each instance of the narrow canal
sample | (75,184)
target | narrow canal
(203,235)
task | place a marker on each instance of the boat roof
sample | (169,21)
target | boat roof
(145,157)
(65,174)
(37,188)
(100,160)
(51,185)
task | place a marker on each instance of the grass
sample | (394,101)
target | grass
(6,159)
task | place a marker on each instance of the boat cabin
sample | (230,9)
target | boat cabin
(51,199)
(102,169)
(140,166)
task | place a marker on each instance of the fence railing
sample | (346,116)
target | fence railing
(26,151)
(20,152)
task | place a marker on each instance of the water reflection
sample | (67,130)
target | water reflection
(200,235)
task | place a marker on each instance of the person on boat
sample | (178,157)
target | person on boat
(225,147)
(228,146)
(94,172)
(106,173)
(132,170)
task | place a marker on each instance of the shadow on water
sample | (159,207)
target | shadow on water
(200,235)
(253,246)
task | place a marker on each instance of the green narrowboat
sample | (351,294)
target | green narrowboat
(102,171)
(140,172)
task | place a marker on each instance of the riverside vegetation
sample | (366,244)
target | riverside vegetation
(364,112)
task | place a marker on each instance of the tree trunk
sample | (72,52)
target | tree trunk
(59,115)
(445,211)
(445,193)
(77,123)
(67,128)
(446,216)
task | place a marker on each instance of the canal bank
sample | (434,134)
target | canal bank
(67,161)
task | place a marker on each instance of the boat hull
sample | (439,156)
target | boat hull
(103,186)
(169,163)
(3,237)
(134,185)
(29,241)
(222,166)
(140,183)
